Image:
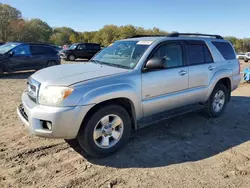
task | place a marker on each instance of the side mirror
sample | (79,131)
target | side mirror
(11,54)
(155,64)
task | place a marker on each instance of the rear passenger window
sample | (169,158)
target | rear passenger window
(198,54)
(40,50)
(225,49)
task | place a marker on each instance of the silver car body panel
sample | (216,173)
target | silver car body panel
(148,92)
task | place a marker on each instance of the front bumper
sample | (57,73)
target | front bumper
(66,121)
(63,56)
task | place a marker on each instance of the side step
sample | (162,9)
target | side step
(168,114)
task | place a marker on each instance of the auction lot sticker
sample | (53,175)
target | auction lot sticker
(143,42)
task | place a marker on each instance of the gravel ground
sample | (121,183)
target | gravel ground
(187,151)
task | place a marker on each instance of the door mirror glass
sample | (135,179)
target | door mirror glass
(155,64)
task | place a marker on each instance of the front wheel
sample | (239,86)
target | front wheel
(106,131)
(71,57)
(217,102)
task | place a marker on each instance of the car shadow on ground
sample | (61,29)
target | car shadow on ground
(17,75)
(191,137)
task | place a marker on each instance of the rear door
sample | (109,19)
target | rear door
(92,49)
(38,56)
(21,58)
(201,68)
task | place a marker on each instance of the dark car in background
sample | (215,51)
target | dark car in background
(2,43)
(80,50)
(27,56)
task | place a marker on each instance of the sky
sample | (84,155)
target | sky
(224,17)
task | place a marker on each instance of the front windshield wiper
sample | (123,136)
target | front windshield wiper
(116,65)
(96,61)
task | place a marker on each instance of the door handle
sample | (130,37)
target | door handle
(182,72)
(211,68)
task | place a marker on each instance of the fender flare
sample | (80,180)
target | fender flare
(110,92)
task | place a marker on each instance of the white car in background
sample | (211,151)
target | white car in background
(247,57)
(241,56)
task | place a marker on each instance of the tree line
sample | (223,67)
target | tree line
(13,27)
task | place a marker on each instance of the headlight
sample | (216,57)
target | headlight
(52,95)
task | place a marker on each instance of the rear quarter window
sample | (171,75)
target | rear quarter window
(225,49)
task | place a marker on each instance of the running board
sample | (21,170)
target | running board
(168,114)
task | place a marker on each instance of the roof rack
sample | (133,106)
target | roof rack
(138,36)
(194,34)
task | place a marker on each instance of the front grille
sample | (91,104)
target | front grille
(33,87)
(22,111)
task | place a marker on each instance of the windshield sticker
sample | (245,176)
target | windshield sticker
(144,42)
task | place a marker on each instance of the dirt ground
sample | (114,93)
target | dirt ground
(188,151)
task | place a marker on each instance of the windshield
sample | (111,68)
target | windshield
(122,53)
(7,47)
(73,46)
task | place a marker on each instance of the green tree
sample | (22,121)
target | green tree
(37,31)
(61,35)
(8,14)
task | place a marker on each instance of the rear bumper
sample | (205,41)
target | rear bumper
(66,121)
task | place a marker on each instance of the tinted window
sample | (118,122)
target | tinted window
(93,46)
(81,47)
(21,50)
(225,49)
(171,53)
(198,54)
(39,50)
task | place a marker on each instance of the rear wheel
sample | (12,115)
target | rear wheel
(245,60)
(217,102)
(106,131)
(50,64)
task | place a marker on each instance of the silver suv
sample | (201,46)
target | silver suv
(130,84)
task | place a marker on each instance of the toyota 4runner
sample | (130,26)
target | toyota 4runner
(130,84)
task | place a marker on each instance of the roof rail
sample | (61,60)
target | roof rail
(138,36)
(176,34)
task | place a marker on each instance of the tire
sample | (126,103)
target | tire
(97,146)
(71,58)
(214,106)
(245,60)
(50,64)
(1,72)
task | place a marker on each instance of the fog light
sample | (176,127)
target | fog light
(47,125)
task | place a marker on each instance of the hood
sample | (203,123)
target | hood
(69,74)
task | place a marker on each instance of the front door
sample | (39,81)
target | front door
(165,89)
(20,58)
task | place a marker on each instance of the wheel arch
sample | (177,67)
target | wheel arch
(122,101)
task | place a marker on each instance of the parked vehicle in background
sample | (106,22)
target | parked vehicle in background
(241,56)
(66,46)
(247,57)
(80,50)
(128,85)
(27,56)
(57,48)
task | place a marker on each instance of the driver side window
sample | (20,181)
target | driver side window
(171,53)
(22,50)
